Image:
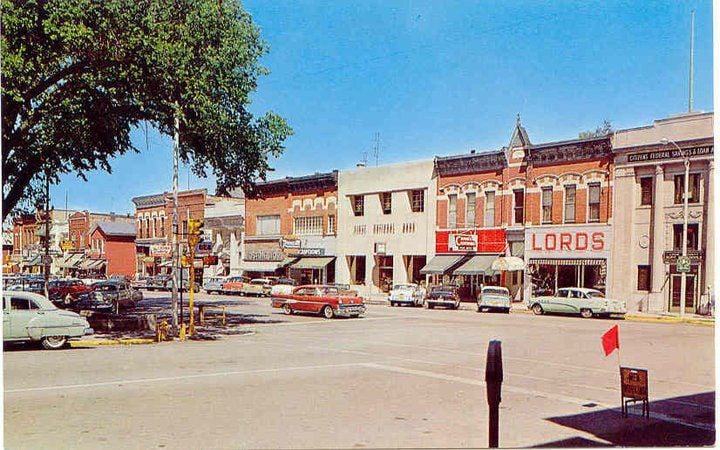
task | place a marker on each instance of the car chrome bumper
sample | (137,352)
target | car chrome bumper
(401,300)
(89,331)
(350,310)
(435,301)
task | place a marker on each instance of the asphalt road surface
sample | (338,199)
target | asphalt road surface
(399,377)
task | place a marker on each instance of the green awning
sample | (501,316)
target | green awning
(479,264)
(312,263)
(440,264)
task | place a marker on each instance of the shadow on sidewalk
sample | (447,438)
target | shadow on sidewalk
(694,425)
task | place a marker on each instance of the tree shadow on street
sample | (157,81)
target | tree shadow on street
(693,424)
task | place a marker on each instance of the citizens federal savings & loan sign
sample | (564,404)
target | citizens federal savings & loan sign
(670,153)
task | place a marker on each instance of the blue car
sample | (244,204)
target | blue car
(214,284)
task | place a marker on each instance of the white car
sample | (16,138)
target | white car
(257,286)
(283,286)
(406,294)
(575,300)
(32,317)
(493,298)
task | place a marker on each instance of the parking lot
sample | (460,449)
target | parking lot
(398,377)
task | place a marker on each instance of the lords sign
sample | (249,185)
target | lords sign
(568,242)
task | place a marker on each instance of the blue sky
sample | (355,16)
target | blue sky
(441,78)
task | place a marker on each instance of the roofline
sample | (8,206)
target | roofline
(570,142)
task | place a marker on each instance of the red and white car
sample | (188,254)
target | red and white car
(320,299)
(234,285)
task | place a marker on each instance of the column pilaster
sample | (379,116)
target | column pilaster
(657,299)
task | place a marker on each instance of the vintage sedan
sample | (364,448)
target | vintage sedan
(257,287)
(214,284)
(406,294)
(443,296)
(108,295)
(65,292)
(32,317)
(493,298)
(584,301)
(234,284)
(321,299)
(283,286)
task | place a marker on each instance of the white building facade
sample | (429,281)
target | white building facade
(224,227)
(386,225)
(648,213)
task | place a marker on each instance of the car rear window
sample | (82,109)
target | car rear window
(491,291)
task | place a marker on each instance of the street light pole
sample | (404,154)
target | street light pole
(683,275)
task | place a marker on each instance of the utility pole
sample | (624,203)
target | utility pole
(46,219)
(175,244)
(692,54)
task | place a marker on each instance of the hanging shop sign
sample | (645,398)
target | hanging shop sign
(203,248)
(290,242)
(308,252)
(672,256)
(481,241)
(161,250)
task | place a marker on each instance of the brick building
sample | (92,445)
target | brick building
(291,227)
(548,204)
(113,243)
(153,222)
(81,223)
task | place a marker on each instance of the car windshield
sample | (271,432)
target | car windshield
(287,281)
(106,287)
(444,289)
(595,294)
(403,286)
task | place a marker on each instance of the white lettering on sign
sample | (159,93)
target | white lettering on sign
(463,242)
(568,242)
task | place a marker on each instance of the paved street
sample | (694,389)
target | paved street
(400,377)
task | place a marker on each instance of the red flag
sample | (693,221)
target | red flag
(611,340)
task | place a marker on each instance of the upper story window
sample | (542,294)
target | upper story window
(519,208)
(547,205)
(147,227)
(470,201)
(594,202)
(268,225)
(646,194)
(570,203)
(358,202)
(332,227)
(184,229)
(308,225)
(154,227)
(693,188)
(162,225)
(386,202)
(490,209)
(692,236)
(452,211)
(418,201)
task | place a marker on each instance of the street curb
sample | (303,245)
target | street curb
(706,322)
(98,342)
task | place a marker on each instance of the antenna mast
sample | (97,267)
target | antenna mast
(376,148)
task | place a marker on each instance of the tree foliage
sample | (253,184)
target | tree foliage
(79,75)
(603,130)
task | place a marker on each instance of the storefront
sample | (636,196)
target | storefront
(566,256)
(465,258)
(313,258)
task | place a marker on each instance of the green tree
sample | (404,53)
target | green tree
(79,75)
(603,130)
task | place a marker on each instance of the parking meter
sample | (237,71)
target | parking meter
(493,384)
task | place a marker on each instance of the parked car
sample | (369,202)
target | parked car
(234,284)
(30,285)
(406,294)
(257,287)
(443,296)
(214,284)
(322,299)
(494,298)
(108,295)
(32,317)
(283,286)
(158,282)
(65,292)
(584,301)
(120,277)
(139,282)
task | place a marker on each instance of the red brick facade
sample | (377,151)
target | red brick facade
(118,251)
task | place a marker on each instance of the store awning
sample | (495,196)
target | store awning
(98,263)
(508,264)
(568,262)
(440,264)
(478,264)
(71,261)
(312,263)
(33,262)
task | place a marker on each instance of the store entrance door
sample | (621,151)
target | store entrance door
(690,295)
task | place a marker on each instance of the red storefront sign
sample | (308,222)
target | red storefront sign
(481,241)
(576,241)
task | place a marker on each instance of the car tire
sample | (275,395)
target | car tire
(287,309)
(328,312)
(507,310)
(457,306)
(53,342)
(537,309)
(479,309)
(392,303)
(426,305)
(586,313)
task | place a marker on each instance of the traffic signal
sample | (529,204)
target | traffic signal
(186,261)
(195,227)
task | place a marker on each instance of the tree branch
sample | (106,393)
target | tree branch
(22,180)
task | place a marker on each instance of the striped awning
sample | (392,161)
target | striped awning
(71,261)
(478,264)
(440,264)
(312,263)
(568,262)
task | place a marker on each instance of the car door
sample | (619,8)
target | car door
(22,311)
(556,303)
